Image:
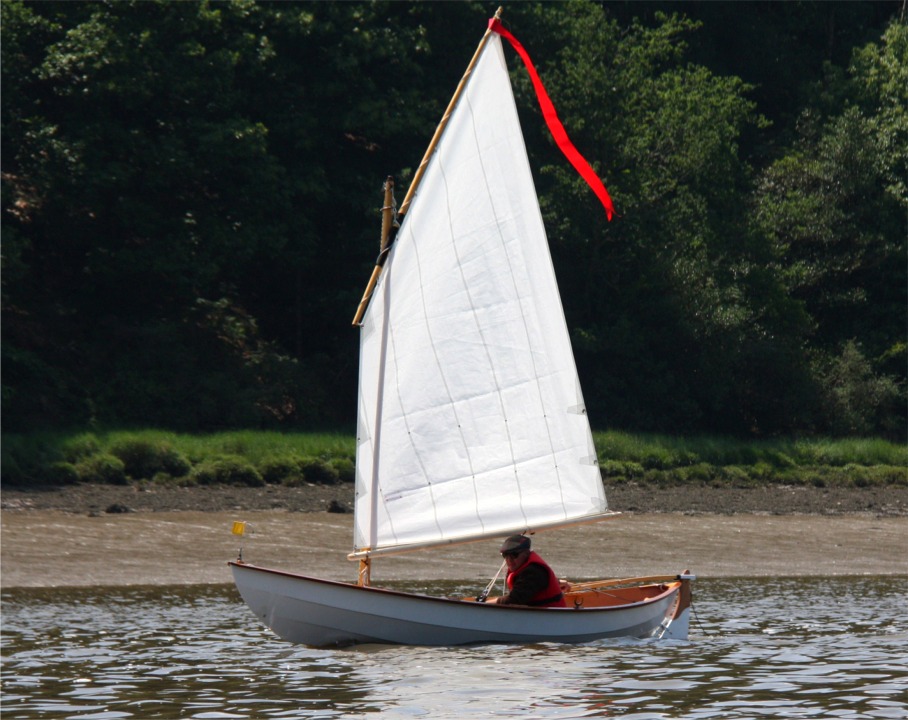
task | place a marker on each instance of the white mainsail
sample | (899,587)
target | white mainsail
(471,421)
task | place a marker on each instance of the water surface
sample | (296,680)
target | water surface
(779,648)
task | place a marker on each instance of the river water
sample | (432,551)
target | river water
(759,648)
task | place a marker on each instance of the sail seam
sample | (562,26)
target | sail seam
(485,345)
(437,159)
(526,331)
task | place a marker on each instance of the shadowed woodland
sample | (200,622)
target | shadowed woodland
(191,193)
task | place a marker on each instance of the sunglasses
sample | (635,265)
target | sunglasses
(511,554)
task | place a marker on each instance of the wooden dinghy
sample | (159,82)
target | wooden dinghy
(471,420)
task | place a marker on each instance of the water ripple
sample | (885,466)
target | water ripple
(825,648)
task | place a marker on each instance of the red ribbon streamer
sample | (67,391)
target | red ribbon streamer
(555,127)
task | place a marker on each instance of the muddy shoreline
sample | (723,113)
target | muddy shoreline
(50,548)
(106,535)
(886,501)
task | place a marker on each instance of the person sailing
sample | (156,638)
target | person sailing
(530,580)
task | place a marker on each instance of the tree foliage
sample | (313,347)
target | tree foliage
(190,198)
(833,207)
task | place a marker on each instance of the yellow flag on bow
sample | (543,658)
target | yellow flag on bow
(239,527)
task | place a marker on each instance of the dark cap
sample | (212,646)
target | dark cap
(515,543)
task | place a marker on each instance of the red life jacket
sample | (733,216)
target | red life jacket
(550,595)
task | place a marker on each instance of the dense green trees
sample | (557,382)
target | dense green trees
(190,195)
(184,185)
(833,208)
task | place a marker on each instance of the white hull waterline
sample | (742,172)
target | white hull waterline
(323,613)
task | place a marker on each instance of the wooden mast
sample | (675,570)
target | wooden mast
(387,219)
(417,178)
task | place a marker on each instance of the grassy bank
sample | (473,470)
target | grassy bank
(856,462)
(259,458)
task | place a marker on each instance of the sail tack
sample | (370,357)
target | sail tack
(471,418)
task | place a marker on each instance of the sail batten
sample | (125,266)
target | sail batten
(471,420)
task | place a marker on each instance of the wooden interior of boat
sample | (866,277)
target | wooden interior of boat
(607,594)
(613,593)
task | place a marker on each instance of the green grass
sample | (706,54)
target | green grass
(257,446)
(661,451)
(861,451)
(48,458)
(260,456)
(662,460)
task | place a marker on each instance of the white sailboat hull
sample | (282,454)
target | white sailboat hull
(324,613)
